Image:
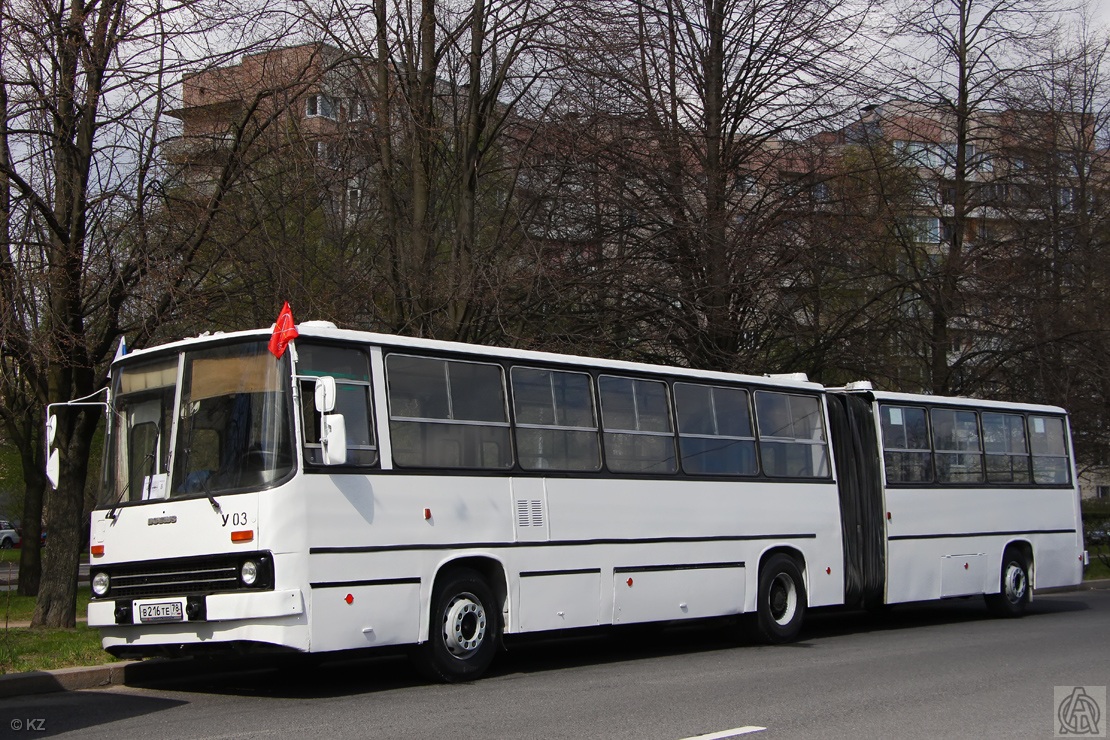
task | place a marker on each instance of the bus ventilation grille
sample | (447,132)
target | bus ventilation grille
(529,513)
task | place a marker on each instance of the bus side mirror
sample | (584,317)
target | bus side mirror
(333,437)
(325,394)
(333,428)
(53,466)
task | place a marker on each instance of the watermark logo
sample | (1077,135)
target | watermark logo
(1080,711)
(34,724)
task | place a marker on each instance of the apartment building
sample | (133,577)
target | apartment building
(303,106)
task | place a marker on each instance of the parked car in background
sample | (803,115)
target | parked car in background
(9,535)
(19,538)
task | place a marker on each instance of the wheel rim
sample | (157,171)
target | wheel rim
(464,625)
(782,599)
(1015,584)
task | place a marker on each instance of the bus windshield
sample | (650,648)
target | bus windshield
(233,424)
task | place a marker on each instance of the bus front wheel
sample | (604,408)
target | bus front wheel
(462,636)
(781,602)
(1014,590)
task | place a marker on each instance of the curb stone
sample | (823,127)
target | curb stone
(133,671)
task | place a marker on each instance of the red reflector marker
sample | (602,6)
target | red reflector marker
(427,514)
(629,583)
(242,535)
(349,598)
(96,550)
(828,571)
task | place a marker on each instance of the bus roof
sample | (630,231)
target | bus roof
(327,331)
(930,400)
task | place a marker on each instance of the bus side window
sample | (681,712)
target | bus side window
(639,437)
(907,455)
(447,413)
(715,430)
(791,435)
(958,448)
(556,423)
(1050,450)
(351,369)
(1006,448)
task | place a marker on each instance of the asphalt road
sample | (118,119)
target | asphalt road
(922,671)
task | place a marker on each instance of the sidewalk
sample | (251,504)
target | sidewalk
(136,671)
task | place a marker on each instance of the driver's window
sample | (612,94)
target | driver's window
(351,369)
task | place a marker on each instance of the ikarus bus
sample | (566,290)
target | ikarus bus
(361,490)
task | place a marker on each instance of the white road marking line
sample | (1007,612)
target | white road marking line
(735,732)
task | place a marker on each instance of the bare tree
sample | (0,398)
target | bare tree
(87,251)
(953,65)
(448,91)
(1053,337)
(697,110)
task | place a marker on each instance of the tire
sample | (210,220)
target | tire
(1015,587)
(6,544)
(462,636)
(781,601)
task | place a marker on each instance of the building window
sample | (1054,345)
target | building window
(925,230)
(1065,198)
(319,106)
(354,200)
(920,153)
(356,109)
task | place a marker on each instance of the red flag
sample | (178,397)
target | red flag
(284,331)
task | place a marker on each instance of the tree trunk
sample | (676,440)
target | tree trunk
(57,600)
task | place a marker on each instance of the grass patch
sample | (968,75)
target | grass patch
(1100,563)
(25,649)
(18,608)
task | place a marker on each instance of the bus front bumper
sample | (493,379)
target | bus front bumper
(196,608)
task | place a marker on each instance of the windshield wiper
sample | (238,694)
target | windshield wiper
(151,461)
(211,498)
(185,466)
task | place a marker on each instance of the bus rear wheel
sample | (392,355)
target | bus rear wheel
(462,636)
(781,601)
(1015,588)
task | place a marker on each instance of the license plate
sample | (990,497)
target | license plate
(163,611)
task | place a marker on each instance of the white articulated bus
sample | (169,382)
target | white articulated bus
(367,490)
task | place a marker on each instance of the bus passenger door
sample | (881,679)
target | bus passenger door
(860,483)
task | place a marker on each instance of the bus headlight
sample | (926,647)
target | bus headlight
(248,573)
(100,583)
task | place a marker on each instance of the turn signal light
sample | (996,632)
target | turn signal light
(242,535)
(96,550)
